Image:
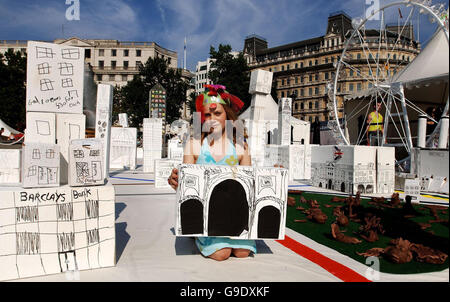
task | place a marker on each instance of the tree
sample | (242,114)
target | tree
(13,68)
(232,72)
(133,98)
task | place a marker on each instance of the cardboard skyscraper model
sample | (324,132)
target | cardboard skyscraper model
(152,142)
(238,202)
(55,78)
(103,122)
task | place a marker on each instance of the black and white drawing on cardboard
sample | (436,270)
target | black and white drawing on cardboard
(41,165)
(86,162)
(55,78)
(55,230)
(237,202)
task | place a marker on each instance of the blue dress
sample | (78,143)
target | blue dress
(210,245)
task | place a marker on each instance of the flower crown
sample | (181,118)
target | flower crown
(216,94)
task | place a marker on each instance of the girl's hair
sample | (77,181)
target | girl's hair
(232,116)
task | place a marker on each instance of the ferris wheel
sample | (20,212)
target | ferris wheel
(366,94)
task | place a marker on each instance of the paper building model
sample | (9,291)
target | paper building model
(68,127)
(237,202)
(86,162)
(41,165)
(152,142)
(353,168)
(55,78)
(10,160)
(55,230)
(295,158)
(103,122)
(163,169)
(123,148)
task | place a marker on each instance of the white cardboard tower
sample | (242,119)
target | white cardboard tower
(55,78)
(103,122)
(123,148)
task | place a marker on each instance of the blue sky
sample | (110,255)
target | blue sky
(167,22)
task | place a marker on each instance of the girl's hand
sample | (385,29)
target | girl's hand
(173,179)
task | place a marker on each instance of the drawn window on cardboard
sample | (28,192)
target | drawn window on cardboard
(66,83)
(46,84)
(86,162)
(44,52)
(65,69)
(44,68)
(70,53)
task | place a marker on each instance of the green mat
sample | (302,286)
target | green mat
(394,224)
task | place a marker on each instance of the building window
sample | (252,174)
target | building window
(282,94)
(169,61)
(125,64)
(101,64)
(282,68)
(350,87)
(138,64)
(302,106)
(310,77)
(316,91)
(316,76)
(326,60)
(113,64)
(101,52)
(296,65)
(310,91)
(327,76)
(113,52)
(138,52)
(112,77)
(282,82)
(358,86)
(87,53)
(126,52)
(301,65)
(124,77)
(317,105)
(310,63)
(287,66)
(302,92)
(99,77)
(316,62)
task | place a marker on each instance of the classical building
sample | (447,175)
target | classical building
(113,62)
(201,73)
(302,70)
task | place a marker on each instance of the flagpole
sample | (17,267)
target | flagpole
(184,63)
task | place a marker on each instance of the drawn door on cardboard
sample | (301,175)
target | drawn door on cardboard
(228,210)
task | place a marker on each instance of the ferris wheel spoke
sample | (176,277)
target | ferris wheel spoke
(363,42)
(399,37)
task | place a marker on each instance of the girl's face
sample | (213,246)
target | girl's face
(215,115)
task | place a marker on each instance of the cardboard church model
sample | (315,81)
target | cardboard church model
(46,225)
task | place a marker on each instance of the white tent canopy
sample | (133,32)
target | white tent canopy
(8,129)
(430,65)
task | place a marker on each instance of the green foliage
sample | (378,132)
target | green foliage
(13,67)
(231,72)
(133,98)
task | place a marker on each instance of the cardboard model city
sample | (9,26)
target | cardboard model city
(269,123)
(60,229)
(238,202)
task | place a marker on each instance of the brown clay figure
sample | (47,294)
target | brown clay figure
(316,215)
(373,252)
(339,235)
(341,219)
(302,199)
(369,231)
(395,200)
(400,252)
(313,203)
(291,201)
(338,199)
(428,255)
